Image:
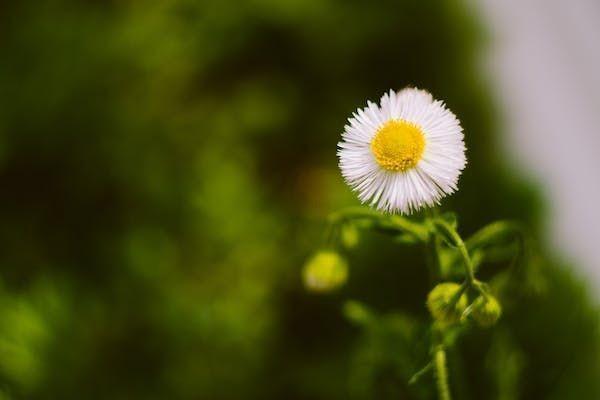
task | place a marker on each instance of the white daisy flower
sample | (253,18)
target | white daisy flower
(403,155)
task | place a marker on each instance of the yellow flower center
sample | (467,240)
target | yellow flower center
(398,145)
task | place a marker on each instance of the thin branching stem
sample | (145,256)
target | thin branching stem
(457,241)
(419,374)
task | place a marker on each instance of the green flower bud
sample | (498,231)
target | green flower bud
(357,312)
(349,235)
(444,303)
(486,310)
(325,271)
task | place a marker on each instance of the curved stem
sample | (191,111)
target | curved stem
(417,375)
(467,260)
(441,373)
(416,229)
(453,235)
(395,222)
(433,258)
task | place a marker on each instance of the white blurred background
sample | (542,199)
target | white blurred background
(544,63)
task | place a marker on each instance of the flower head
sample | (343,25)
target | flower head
(405,154)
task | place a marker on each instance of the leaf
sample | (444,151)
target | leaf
(495,234)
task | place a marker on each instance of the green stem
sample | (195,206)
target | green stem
(416,229)
(467,260)
(433,258)
(441,373)
(395,222)
(438,362)
(420,373)
(453,235)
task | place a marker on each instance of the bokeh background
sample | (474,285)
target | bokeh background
(166,168)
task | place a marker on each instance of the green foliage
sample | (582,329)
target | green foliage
(164,170)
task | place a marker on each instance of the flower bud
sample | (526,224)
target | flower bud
(445,304)
(349,235)
(325,271)
(486,310)
(357,312)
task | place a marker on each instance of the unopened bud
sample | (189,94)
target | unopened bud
(446,303)
(357,312)
(486,310)
(325,271)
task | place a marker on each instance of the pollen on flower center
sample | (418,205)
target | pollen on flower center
(398,145)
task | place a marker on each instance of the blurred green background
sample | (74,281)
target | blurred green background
(166,168)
